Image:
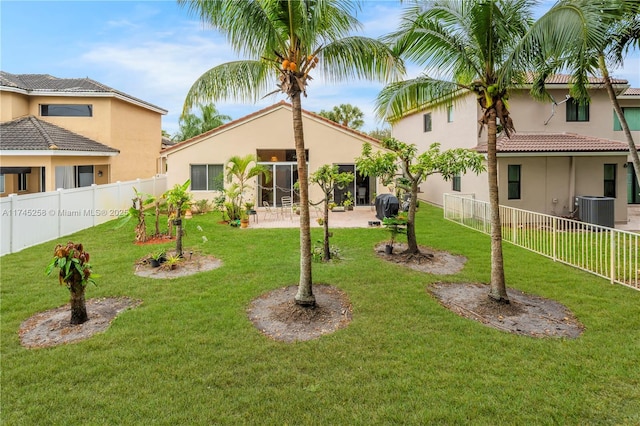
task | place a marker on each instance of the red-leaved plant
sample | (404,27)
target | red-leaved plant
(75,273)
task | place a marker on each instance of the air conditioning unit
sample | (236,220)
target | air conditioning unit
(596,210)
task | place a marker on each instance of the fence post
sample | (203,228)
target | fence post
(612,249)
(12,223)
(95,203)
(514,227)
(554,236)
(59,207)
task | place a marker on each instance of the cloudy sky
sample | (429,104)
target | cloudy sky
(154,50)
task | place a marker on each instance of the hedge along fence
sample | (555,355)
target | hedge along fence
(27,220)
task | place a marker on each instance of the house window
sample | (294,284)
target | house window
(84,176)
(514,182)
(610,180)
(1,183)
(632,115)
(207,177)
(427,122)
(66,110)
(455,184)
(22,182)
(577,111)
(450,114)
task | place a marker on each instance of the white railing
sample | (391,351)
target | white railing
(27,220)
(603,251)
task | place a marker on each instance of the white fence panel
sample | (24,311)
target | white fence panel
(27,220)
(606,252)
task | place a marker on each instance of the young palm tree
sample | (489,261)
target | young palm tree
(285,41)
(588,37)
(243,169)
(471,42)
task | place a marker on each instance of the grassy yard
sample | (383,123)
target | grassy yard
(189,355)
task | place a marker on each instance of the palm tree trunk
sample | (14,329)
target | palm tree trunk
(412,241)
(77,300)
(633,150)
(305,295)
(498,289)
(179,231)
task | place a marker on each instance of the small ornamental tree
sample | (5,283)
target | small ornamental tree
(75,273)
(402,164)
(178,196)
(328,178)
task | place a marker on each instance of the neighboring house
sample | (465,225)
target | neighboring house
(66,133)
(559,151)
(268,134)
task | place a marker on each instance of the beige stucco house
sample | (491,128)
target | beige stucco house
(66,133)
(268,134)
(560,149)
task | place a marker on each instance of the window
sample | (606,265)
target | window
(455,184)
(84,176)
(576,111)
(66,110)
(22,182)
(207,177)
(427,122)
(632,115)
(610,180)
(1,183)
(450,114)
(514,182)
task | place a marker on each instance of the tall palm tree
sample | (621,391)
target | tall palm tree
(285,41)
(193,125)
(588,37)
(345,114)
(471,43)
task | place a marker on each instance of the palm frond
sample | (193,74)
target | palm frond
(240,80)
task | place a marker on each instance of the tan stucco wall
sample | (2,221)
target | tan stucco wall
(546,183)
(50,164)
(12,105)
(273,130)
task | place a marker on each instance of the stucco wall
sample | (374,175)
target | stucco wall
(326,143)
(12,105)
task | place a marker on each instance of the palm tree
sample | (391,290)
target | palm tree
(587,37)
(285,41)
(471,42)
(345,114)
(193,125)
(243,169)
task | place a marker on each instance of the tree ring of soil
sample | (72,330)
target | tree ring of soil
(278,316)
(429,260)
(526,314)
(53,327)
(190,265)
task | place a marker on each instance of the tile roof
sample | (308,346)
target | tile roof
(30,133)
(631,92)
(47,83)
(566,79)
(263,111)
(554,142)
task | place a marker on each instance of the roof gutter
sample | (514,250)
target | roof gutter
(55,153)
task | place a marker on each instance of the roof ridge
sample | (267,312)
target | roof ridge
(40,128)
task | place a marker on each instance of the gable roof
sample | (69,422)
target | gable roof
(269,109)
(632,91)
(31,134)
(45,84)
(545,143)
(566,79)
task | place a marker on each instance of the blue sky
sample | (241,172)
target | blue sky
(154,50)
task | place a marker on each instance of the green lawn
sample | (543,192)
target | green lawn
(189,355)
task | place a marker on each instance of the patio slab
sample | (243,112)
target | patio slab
(359,217)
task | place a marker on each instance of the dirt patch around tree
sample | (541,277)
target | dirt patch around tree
(53,327)
(526,314)
(191,264)
(429,260)
(277,315)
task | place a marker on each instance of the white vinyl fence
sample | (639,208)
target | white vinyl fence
(603,251)
(27,220)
